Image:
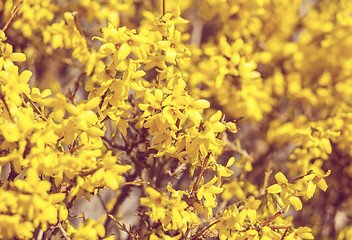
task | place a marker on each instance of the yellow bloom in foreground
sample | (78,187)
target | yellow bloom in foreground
(7,57)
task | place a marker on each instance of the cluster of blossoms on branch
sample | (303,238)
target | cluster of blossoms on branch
(223,125)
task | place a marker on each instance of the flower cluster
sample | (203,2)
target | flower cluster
(192,120)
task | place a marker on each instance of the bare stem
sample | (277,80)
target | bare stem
(122,226)
(2,97)
(283,236)
(204,167)
(268,172)
(12,16)
(40,235)
(164,11)
(35,107)
(205,229)
(272,218)
(63,232)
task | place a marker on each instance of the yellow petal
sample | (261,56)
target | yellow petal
(57,197)
(230,162)
(18,57)
(216,117)
(95,132)
(280,178)
(152,192)
(171,55)
(10,132)
(310,189)
(201,104)
(306,236)
(107,49)
(276,188)
(296,202)
(72,109)
(325,143)
(123,51)
(215,190)
(164,45)
(252,215)
(138,74)
(200,193)
(322,185)
(92,103)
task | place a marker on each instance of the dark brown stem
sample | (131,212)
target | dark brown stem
(122,226)
(6,106)
(113,144)
(204,167)
(78,22)
(300,177)
(77,85)
(12,16)
(164,11)
(63,232)
(205,229)
(35,107)
(283,236)
(125,190)
(13,174)
(268,172)
(281,227)
(271,219)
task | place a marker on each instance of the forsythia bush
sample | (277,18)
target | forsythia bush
(210,119)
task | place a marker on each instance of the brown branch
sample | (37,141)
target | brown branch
(63,232)
(205,229)
(300,177)
(123,227)
(281,227)
(266,223)
(13,174)
(35,107)
(40,235)
(2,97)
(72,150)
(12,16)
(164,8)
(71,95)
(113,144)
(204,167)
(78,22)
(268,172)
(283,236)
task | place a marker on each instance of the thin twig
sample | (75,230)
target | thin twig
(272,218)
(177,174)
(283,236)
(78,22)
(13,174)
(35,107)
(2,97)
(12,16)
(300,177)
(205,229)
(71,95)
(63,232)
(122,226)
(280,227)
(113,144)
(40,235)
(268,172)
(204,167)
(164,11)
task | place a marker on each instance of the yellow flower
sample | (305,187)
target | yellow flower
(7,56)
(287,191)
